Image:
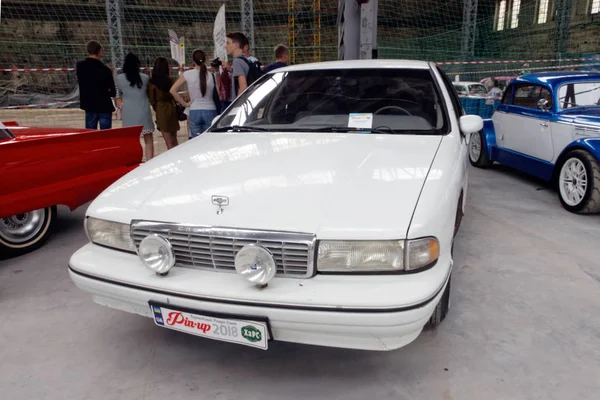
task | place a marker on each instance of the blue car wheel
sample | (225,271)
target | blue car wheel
(477,151)
(579,183)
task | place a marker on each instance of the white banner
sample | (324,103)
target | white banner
(219,35)
(177,47)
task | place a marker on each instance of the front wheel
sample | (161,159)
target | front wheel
(477,155)
(441,309)
(25,232)
(579,183)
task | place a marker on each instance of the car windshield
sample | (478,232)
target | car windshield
(579,94)
(378,101)
(4,132)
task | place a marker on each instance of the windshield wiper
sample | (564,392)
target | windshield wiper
(345,129)
(385,130)
(240,128)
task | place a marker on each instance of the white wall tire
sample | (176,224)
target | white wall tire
(25,232)
(579,183)
(477,151)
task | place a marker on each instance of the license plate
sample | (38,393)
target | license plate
(240,331)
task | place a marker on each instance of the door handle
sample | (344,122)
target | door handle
(545,125)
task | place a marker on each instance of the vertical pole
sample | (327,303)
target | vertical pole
(563,19)
(247,9)
(469,29)
(348,30)
(368,30)
(113,15)
(292,30)
(317,31)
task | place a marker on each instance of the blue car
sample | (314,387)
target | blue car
(548,125)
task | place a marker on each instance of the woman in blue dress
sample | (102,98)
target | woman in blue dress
(136,107)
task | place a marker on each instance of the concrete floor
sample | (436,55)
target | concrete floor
(524,324)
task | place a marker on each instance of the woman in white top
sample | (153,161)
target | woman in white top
(202,87)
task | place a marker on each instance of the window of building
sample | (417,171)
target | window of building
(543,12)
(501,15)
(514,17)
(595,7)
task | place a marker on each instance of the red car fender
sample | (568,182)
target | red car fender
(42,167)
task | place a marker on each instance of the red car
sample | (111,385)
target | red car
(44,167)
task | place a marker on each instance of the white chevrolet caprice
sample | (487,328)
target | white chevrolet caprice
(319,208)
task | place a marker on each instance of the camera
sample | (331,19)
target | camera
(216,63)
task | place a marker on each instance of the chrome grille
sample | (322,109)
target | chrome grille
(211,248)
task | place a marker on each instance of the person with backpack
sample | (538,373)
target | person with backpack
(244,71)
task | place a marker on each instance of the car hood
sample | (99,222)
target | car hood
(351,186)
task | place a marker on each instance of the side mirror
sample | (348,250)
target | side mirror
(470,124)
(543,105)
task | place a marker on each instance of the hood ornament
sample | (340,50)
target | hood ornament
(220,201)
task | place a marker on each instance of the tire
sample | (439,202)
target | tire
(20,234)
(578,182)
(441,309)
(477,154)
(459,217)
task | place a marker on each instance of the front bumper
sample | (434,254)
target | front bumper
(380,312)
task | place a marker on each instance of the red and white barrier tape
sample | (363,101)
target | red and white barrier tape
(60,103)
(73,69)
(438,63)
(521,69)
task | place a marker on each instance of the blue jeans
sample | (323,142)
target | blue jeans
(92,119)
(200,121)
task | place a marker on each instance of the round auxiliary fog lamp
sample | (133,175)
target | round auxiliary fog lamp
(255,264)
(157,254)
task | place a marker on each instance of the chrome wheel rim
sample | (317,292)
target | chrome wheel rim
(475,146)
(573,182)
(21,228)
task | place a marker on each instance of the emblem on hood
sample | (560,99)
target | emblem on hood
(220,201)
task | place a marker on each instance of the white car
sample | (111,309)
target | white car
(319,208)
(473,89)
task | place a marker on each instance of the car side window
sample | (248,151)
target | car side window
(527,95)
(5,134)
(458,110)
(545,94)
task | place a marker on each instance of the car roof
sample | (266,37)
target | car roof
(356,64)
(555,79)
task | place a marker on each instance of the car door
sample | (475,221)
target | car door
(499,116)
(525,126)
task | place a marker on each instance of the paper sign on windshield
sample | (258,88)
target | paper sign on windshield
(362,121)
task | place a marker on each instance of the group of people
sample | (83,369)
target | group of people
(209,91)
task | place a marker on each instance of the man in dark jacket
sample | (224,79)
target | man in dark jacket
(96,88)
(282,55)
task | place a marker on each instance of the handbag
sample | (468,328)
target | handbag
(180,111)
(216,98)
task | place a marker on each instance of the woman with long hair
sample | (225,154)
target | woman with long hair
(135,107)
(203,87)
(162,101)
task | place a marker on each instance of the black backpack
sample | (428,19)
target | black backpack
(254,71)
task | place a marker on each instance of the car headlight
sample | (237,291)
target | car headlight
(109,234)
(377,256)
